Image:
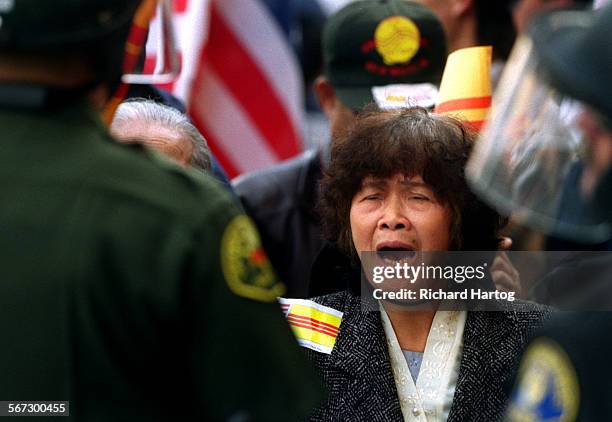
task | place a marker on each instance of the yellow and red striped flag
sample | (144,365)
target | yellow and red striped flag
(465,91)
(315,326)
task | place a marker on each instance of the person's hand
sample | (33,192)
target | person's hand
(505,243)
(505,276)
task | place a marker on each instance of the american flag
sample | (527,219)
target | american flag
(240,81)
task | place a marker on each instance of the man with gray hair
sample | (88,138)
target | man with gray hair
(163,129)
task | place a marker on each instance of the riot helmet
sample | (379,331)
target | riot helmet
(535,155)
(92,29)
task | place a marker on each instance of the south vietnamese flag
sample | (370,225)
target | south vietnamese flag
(465,91)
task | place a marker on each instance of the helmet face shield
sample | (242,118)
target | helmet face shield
(531,159)
(161,32)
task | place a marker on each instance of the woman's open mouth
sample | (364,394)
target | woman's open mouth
(393,252)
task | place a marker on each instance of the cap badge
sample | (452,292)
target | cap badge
(397,40)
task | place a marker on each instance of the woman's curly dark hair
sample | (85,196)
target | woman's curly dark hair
(413,142)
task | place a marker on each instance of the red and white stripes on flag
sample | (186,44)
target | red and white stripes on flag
(240,81)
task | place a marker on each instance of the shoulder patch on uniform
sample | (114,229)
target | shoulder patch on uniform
(315,326)
(245,265)
(547,387)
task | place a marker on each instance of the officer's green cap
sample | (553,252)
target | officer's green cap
(43,25)
(372,43)
(576,54)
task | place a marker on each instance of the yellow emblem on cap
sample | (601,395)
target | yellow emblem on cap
(244,263)
(547,388)
(397,40)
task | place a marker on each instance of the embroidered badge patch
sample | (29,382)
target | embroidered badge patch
(244,263)
(315,326)
(547,389)
(397,40)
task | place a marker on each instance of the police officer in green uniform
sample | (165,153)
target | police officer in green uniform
(129,287)
(553,128)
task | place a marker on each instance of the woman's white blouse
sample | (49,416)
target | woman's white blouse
(431,398)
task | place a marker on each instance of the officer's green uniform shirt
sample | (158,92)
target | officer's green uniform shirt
(132,288)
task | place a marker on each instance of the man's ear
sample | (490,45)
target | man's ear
(461,7)
(326,95)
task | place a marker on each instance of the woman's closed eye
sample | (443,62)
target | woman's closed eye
(370,194)
(419,197)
